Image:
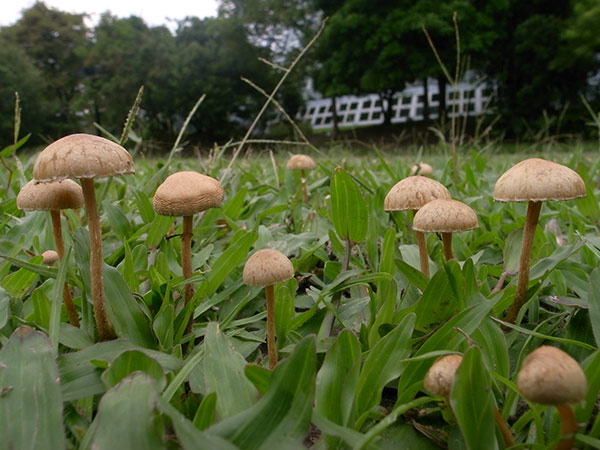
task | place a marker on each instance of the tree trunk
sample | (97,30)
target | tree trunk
(425,99)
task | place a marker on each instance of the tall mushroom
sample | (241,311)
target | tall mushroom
(412,193)
(54,197)
(86,157)
(439,378)
(266,268)
(550,376)
(445,216)
(185,194)
(302,163)
(534,181)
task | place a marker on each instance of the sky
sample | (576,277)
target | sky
(153,12)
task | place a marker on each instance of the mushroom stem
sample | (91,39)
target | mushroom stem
(533,214)
(423,256)
(271,348)
(568,427)
(509,440)
(60,249)
(105,329)
(186,255)
(447,242)
(304,188)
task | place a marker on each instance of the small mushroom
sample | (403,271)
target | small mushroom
(266,268)
(412,193)
(86,157)
(49,257)
(550,376)
(534,181)
(421,168)
(185,194)
(53,197)
(445,216)
(439,378)
(302,163)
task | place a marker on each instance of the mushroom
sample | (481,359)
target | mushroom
(86,157)
(266,268)
(534,181)
(302,163)
(49,257)
(445,216)
(421,168)
(185,194)
(53,197)
(439,378)
(550,376)
(413,193)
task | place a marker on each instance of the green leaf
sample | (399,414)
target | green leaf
(19,282)
(127,417)
(31,407)
(337,379)
(131,361)
(349,212)
(123,310)
(159,228)
(223,370)
(117,220)
(594,302)
(259,376)
(381,365)
(472,401)
(281,418)
(57,301)
(206,412)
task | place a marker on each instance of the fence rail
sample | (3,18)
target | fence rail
(464,99)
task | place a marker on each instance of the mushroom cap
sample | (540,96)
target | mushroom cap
(538,180)
(445,216)
(551,377)
(440,375)
(82,156)
(266,267)
(187,193)
(49,257)
(64,194)
(301,162)
(413,192)
(421,168)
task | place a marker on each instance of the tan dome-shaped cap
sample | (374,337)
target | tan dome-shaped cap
(49,257)
(267,267)
(414,192)
(82,156)
(301,162)
(551,377)
(445,216)
(440,375)
(186,193)
(538,180)
(64,194)
(421,168)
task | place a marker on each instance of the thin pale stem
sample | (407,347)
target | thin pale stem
(533,214)
(447,242)
(568,427)
(423,256)
(186,264)
(304,188)
(60,249)
(105,328)
(271,348)
(509,440)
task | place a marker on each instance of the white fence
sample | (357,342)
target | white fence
(467,99)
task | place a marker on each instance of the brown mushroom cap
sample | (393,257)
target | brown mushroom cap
(413,192)
(536,179)
(445,216)
(187,193)
(267,267)
(64,194)
(421,168)
(82,156)
(551,377)
(301,162)
(440,375)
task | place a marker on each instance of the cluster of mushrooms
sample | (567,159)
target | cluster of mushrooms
(85,157)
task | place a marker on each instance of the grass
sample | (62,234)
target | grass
(354,344)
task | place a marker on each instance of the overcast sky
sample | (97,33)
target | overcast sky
(154,12)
